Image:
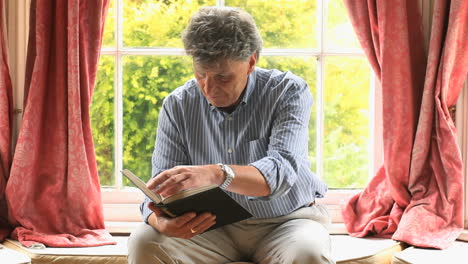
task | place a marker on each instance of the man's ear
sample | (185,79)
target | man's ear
(252,62)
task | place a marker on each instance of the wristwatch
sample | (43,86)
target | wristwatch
(229,175)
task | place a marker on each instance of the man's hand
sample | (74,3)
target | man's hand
(180,178)
(185,226)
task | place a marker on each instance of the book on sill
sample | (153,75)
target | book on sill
(203,199)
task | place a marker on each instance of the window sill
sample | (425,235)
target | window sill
(125,228)
(122,212)
(464,235)
(120,228)
(123,205)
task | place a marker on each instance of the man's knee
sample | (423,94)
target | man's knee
(315,255)
(296,241)
(143,244)
(314,247)
(297,253)
(142,235)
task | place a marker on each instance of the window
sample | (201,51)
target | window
(142,61)
(108,101)
(462,132)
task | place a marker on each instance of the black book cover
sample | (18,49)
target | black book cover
(215,201)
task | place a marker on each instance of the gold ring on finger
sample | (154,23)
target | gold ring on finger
(193,230)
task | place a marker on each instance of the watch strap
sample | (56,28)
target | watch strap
(228,174)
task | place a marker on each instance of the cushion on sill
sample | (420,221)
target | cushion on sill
(87,255)
(10,256)
(456,254)
(346,250)
(353,250)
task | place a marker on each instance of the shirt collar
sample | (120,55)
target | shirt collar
(249,88)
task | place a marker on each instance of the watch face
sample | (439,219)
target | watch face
(229,171)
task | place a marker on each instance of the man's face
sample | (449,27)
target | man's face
(223,82)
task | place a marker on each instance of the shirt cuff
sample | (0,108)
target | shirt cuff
(269,170)
(145,211)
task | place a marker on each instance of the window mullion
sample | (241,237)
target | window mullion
(320,91)
(320,115)
(118,99)
(153,51)
(118,123)
(265,52)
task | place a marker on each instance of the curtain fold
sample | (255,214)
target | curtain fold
(6,125)
(417,196)
(53,192)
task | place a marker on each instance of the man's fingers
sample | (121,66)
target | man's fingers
(167,178)
(200,219)
(206,225)
(156,181)
(173,184)
(201,226)
(157,211)
(184,219)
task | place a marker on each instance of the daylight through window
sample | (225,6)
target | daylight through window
(142,61)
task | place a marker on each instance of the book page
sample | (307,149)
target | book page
(156,198)
(188,192)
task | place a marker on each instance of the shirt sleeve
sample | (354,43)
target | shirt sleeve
(288,142)
(169,150)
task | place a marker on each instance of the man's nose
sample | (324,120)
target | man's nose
(209,85)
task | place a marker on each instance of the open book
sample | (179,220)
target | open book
(203,199)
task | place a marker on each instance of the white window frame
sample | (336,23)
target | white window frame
(118,51)
(120,194)
(461,123)
(121,204)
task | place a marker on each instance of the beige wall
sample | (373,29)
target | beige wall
(17,12)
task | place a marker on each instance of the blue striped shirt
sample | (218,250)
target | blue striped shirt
(267,130)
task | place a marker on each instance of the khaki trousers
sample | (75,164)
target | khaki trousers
(300,237)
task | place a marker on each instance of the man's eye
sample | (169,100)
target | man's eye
(223,78)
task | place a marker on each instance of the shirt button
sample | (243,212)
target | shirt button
(229,150)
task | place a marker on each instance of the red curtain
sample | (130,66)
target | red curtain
(53,192)
(6,124)
(417,196)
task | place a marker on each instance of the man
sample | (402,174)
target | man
(245,129)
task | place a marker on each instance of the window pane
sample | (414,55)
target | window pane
(108,39)
(347,117)
(150,23)
(304,67)
(147,80)
(339,31)
(102,119)
(283,23)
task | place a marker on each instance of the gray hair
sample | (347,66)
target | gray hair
(216,33)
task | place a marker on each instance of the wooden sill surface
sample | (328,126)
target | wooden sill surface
(125,228)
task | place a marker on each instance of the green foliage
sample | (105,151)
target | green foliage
(346,122)
(102,119)
(108,38)
(283,23)
(147,80)
(157,23)
(339,33)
